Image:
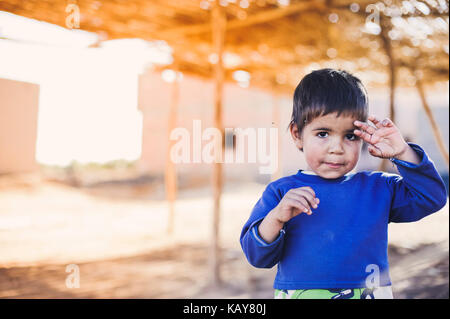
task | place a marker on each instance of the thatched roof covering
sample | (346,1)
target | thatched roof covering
(277,42)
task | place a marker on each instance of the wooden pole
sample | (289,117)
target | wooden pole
(170,174)
(276,123)
(218,24)
(435,128)
(387,45)
(392,81)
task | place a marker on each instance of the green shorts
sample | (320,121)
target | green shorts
(338,293)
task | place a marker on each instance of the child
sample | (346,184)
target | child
(338,247)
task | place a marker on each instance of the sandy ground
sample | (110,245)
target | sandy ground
(115,235)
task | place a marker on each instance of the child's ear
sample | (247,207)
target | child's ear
(297,136)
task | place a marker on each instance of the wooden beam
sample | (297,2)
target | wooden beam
(258,18)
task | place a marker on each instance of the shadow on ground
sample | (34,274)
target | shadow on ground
(182,272)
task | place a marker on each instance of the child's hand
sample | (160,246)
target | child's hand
(296,201)
(385,139)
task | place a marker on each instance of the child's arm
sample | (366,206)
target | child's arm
(262,237)
(419,191)
(294,202)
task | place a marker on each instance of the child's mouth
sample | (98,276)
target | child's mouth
(334,165)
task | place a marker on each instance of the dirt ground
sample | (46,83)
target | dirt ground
(115,234)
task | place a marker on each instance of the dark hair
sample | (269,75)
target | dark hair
(327,91)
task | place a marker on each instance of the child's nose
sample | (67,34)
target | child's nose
(336,147)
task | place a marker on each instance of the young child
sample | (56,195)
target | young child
(338,247)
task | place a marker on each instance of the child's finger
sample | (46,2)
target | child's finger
(302,206)
(307,208)
(300,200)
(387,122)
(374,151)
(308,197)
(365,127)
(309,190)
(365,136)
(306,193)
(298,211)
(306,204)
(375,121)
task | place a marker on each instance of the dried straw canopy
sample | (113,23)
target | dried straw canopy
(275,41)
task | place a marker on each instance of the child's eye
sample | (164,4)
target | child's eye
(351,137)
(322,134)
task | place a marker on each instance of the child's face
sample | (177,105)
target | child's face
(330,147)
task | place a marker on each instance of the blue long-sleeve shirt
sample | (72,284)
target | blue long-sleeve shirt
(346,237)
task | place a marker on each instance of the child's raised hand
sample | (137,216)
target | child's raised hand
(385,139)
(296,201)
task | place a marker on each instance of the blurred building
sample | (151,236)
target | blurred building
(242,108)
(252,108)
(18,126)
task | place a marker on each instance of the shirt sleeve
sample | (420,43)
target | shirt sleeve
(418,192)
(258,252)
